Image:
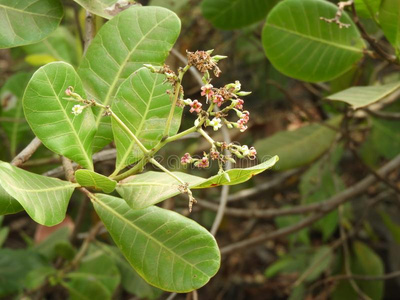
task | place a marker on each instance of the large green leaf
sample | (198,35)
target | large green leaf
(302,46)
(389,19)
(167,249)
(137,36)
(385,136)
(361,96)
(367,8)
(95,180)
(149,188)
(14,123)
(29,21)
(50,115)
(234,14)
(59,46)
(298,147)
(143,104)
(8,205)
(44,199)
(99,7)
(96,278)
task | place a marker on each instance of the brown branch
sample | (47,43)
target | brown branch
(339,13)
(25,154)
(321,209)
(90,30)
(68,169)
(383,114)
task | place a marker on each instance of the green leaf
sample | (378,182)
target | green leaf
(367,8)
(44,199)
(392,226)
(301,45)
(59,46)
(130,279)
(27,22)
(96,278)
(137,36)
(143,104)
(47,248)
(385,136)
(361,96)
(389,19)
(8,205)
(92,179)
(149,188)
(234,14)
(99,7)
(167,249)
(14,123)
(36,277)
(50,115)
(299,147)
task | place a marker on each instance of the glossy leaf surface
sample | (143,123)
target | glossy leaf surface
(50,115)
(136,36)
(45,199)
(143,104)
(27,22)
(149,188)
(301,45)
(8,205)
(389,19)
(361,96)
(95,180)
(168,250)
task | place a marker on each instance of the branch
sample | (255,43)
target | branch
(321,208)
(339,14)
(90,30)
(383,114)
(25,154)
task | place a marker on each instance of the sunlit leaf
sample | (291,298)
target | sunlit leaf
(27,22)
(136,36)
(301,45)
(50,115)
(149,188)
(104,8)
(389,19)
(8,205)
(298,147)
(234,14)
(143,104)
(45,199)
(361,96)
(95,180)
(168,250)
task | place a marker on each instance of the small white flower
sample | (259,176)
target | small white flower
(77,109)
(238,86)
(216,123)
(245,150)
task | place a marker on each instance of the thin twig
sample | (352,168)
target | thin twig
(383,114)
(339,13)
(25,154)
(68,169)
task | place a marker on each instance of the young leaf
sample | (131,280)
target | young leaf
(27,22)
(143,104)
(136,36)
(389,19)
(92,179)
(14,123)
(44,199)
(234,14)
(301,45)
(168,250)
(8,205)
(298,147)
(50,115)
(149,188)
(361,96)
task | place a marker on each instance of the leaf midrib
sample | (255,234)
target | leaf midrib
(26,12)
(315,39)
(64,187)
(115,213)
(116,78)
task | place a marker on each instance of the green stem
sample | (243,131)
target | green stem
(206,136)
(158,165)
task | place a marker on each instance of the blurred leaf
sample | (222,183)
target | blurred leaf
(50,115)
(235,14)
(385,136)
(149,188)
(15,265)
(391,226)
(298,147)
(65,250)
(363,262)
(137,36)
(174,5)
(289,263)
(367,8)
(143,104)
(37,276)
(13,122)
(298,292)
(96,278)
(361,96)
(301,236)
(130,280)
(304,47)
(389,19)
(59,46)
(27,22)
(92,179)
(47,247)
(45,199)
(172,252)
(319,263)
(8,205)
(3,235)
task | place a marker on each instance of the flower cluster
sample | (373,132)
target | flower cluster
(198,162)
(204,62)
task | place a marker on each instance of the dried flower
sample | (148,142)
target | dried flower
(195,106)
(77,109)
(186,159)
(214,154)
(253,153)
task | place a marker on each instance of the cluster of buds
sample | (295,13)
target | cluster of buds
(243,151)
(77,109)
(198,162)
